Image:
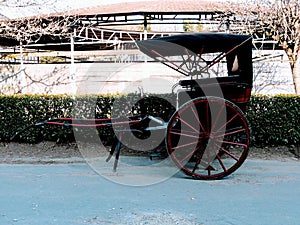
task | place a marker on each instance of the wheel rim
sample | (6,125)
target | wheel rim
(208,138)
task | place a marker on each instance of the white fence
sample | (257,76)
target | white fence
(271,76)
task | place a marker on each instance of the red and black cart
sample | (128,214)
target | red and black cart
(208,136)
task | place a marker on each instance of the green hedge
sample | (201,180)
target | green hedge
(19,111)
(274,120)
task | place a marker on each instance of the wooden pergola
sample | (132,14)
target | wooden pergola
(116,26)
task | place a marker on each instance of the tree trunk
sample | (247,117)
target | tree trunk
(296,74)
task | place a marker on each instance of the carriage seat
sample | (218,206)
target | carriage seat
(193,83)
(232,89)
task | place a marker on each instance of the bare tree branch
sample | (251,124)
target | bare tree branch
(10,79)
(31,30)
(277,20)
(25,3)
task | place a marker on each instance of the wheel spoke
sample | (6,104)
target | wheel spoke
(196,165)
(188,156)
(207,117)
(232,131)
(229,153)
(227,122)
(217,117)
(209,171)
(233,143)
(198,161)
(185,145)
(189,125)
(221,163)
(183,134)
(197,119)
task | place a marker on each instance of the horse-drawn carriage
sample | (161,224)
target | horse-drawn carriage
(208,136)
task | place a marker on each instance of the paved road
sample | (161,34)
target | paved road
(261,192)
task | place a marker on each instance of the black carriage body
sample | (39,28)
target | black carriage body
(235,51)
(208,136)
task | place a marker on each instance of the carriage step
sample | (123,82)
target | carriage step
(211,168)
(159,153)
(154,155)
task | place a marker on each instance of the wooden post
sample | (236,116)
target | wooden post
(72,78)
(23,82)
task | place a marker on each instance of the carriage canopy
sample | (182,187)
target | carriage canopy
(236,50)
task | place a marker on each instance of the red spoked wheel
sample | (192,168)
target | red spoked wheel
(208,138)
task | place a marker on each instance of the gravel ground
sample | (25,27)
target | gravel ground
(49,152)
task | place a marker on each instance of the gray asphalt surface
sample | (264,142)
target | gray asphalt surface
(260,192)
